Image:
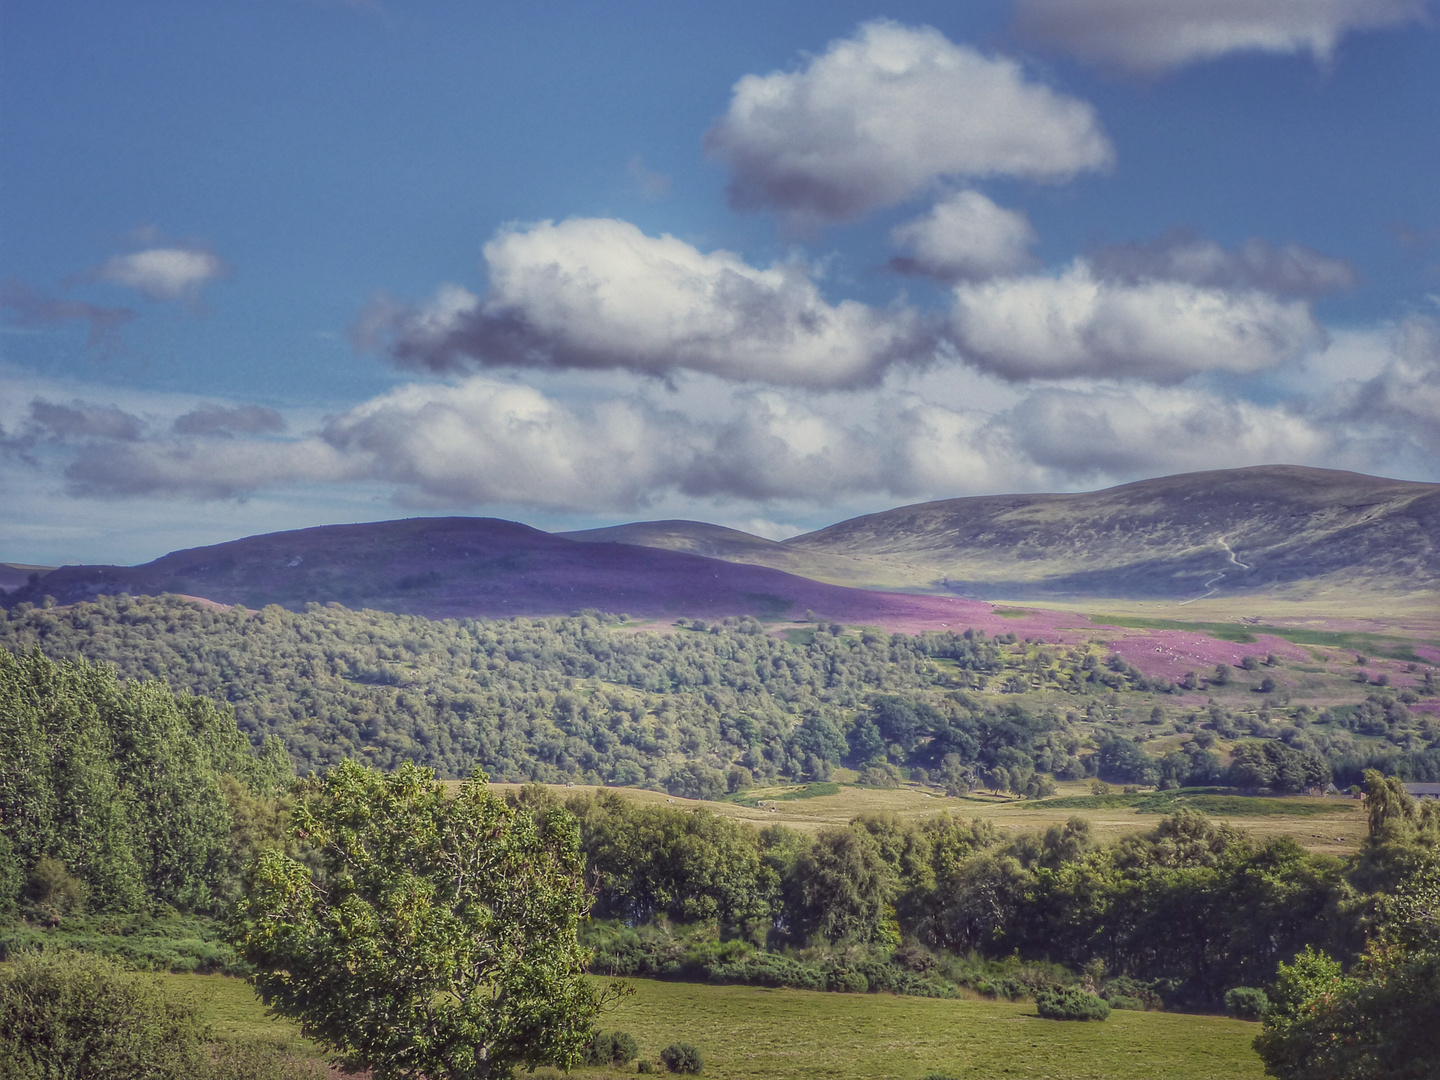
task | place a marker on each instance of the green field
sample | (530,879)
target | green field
(747,1033)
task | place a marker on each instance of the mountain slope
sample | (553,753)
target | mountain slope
(451,567)
(1173,537)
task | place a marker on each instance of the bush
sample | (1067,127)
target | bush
(68,1014)
(646,1067)
(616,1048)
(1125,1001)
(847,981)
(1246,1003)
(682,1058)
(1071,1003)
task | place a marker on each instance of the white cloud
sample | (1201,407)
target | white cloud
(599,293)
(1150,36)
(1076,324)
(482,441)
(1150,431)
(206,470)
(881,115)
(965,235)
(165,273)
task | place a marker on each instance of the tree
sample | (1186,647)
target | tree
(1376,1022)
(842,889)
(436,937)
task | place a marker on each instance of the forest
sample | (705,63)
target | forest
(704,709)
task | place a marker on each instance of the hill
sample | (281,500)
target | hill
(454,567)
(1298,530)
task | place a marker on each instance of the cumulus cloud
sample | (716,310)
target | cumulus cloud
(599,293)
(484,441)
(965,236)
(1077,324)
(208,470)
(884,114)
(165,273)
(30,308)
(229,420)
(1289,270)
(1152,36)
(1401,402)
(1152,431)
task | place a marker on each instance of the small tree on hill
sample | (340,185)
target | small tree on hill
(437,936)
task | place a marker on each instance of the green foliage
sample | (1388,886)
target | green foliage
(562,698)
(436,936)
(1246,1002)
(614,1048)
(1071,1003)
(113,797)
(842,889)
(682,1058)
(69,1016)
(1376,1020)
(179,943)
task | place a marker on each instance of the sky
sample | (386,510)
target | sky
(281,263)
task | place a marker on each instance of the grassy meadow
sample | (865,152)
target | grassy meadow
(1332,826)
(750,1033)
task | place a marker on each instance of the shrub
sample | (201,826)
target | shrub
(1125,1001)
(682,1058)
(646,1067)
(1071,1003)
(847,981)
(69,1014)
(1246,1003)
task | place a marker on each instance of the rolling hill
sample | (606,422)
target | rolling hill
(452,567)
(1284,530)
(1299,530)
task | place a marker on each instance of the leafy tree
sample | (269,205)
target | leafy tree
(436,936)
(1122,761)
(842,889)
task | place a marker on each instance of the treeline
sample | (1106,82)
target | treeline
(124,797)
(1182,913)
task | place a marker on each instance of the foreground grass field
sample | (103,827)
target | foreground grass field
(750,1033)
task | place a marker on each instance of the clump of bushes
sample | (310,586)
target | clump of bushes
(615,1048)
(1071,1003)
(682,1058)
(1246,1002)
(84,1017)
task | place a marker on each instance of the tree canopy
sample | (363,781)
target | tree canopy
(433,937)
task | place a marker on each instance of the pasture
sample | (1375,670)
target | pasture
(753,1033)
(1332,826)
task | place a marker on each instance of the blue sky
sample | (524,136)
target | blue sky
(283,263)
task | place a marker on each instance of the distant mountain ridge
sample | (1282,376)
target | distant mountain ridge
(1175,537)
(1178,537)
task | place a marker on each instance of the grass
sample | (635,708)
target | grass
(1207,802)
(1393,648)
(753,1033)
(235,1014)
(818,789)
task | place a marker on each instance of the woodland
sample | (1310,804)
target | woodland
(152,749)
